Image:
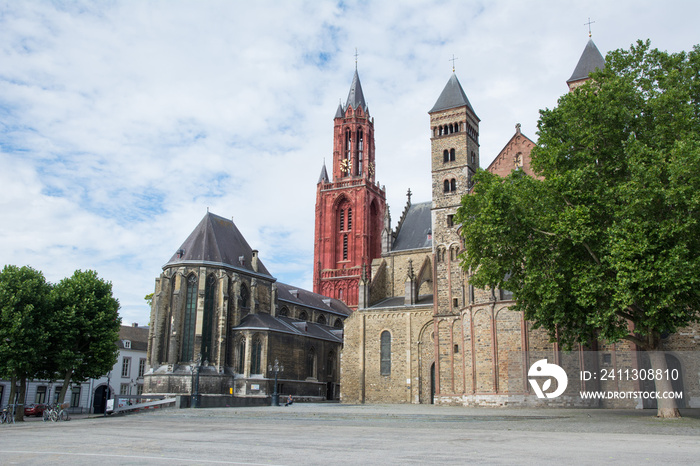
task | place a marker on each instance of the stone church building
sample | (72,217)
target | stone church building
(421,332)
(392,317)
(220,323)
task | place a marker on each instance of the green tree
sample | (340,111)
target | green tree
(604,243)
(86,328)
(25,311)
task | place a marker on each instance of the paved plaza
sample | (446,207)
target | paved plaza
(357,434)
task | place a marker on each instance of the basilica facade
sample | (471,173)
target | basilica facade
(423,334)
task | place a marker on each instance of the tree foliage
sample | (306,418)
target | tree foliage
(88,323)
(25,312)
(607,233)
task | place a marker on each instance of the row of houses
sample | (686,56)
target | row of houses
(125,378)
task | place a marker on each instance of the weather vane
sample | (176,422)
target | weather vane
(453,62)
(356,54)
(589,26)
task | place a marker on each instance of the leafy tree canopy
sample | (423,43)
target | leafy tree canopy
(25,312)
(608,232)
(88,319)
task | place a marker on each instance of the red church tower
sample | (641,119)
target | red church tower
(350,208)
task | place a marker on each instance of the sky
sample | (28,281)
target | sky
(122,122)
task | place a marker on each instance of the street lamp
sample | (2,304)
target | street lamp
(196,366)
(276,368)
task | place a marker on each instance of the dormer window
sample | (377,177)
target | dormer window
(127,344)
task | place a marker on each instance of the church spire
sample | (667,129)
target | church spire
(590,60)
(355,97)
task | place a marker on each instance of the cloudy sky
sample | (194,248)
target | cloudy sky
(121,122)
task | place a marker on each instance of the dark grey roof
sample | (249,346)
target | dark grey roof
(339,113)
(323,177)
(452,96)
(217,240)
(400,301)
(262,321)
(295,295)
(590,60)
(138,336)
(355,97)
(415,229)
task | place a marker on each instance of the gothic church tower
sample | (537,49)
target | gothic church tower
(349,208)
(454,161)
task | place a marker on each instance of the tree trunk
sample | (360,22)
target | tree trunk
(64,388)
(19,407)
(13,390)
(666,407)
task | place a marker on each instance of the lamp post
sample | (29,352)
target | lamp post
(196,366)
(276,368)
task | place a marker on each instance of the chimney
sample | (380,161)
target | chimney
(135,324)
(254,262)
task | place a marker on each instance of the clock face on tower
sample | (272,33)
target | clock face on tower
(371,168)
(345,166)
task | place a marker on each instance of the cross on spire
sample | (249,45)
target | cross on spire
(589,26)
(356,54)
(453,62)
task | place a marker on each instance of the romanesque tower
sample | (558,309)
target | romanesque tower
(349,208)
(455,159)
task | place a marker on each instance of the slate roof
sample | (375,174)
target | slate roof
(295,295)
(452,96)
(400,301)
(323,177)
(355,97)
(415,229)
(138,336)
(283,324)
(217,240)
(590,60)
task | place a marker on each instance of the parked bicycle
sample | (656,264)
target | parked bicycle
(7,416)
(57,413)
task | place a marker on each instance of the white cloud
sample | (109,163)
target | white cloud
(120,123)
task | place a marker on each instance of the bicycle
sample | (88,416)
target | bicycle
(57,413)
(8,415)
(48,412)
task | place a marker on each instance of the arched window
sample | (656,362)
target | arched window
(473,158)
(311,363)
(452,128)
(342,220)
(330,364)
(453,185)
(349,218)
(240,356)
(208,318)
(256,356)
(190,318)
(284,311)
(452,155)
(303,316)
(385,353)
(359,152)
(445,156)
(338,323)
(321,319)
(446,187)
(345,247)
(243,297)
(348,146)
